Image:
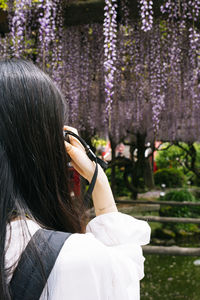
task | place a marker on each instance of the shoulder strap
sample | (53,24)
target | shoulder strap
(28,280)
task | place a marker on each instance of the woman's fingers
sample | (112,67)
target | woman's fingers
(76,143)
(76,167)
(80,160)
(74,130)
(72,139)
(78,156)
(68,147)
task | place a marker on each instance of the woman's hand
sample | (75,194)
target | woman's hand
(102,195)
(80,161)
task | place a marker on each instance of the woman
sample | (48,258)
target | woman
(102,260)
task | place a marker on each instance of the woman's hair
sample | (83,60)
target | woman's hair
(33,159)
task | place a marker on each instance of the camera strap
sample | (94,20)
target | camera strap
(91,156)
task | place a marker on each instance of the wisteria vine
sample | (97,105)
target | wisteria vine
(134,76)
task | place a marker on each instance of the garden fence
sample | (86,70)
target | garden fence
(172,250)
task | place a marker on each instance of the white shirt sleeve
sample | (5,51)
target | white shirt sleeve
(124,235)
(106,263)
(116,228)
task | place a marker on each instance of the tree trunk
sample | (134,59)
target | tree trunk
(130,186)
(142,173)
(148,174)
(139,169)
(193,154)
(113,179)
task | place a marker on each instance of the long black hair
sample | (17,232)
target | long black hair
(33,160)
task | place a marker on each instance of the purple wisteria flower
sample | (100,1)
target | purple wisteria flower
(46,31)
(110,36)
(18,26)
(146,12)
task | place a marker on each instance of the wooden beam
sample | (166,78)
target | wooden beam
(81,12)
(168,219)
(170,203)
(86,12)
(92,11)
(173,250)
(3,22)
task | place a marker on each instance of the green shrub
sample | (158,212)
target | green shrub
(192,179)
(180,211)
(171,177)
(170,157)
(179,196)
(175,157)
(120,188)
(196,193)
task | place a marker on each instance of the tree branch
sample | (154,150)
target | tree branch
(163,149)
(181,147)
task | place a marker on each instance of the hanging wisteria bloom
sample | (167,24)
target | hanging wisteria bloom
(157,80)
(57,42)
(172,8)
(184,8)
(18,26)
(46,31)
(194,54)
(125,12)
(36,28)
(193,9)
(110,34)
(4,46)
(146,12)
(148,80)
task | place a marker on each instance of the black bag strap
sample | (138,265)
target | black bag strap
(28,280)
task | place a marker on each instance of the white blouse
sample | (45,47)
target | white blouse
(105,263)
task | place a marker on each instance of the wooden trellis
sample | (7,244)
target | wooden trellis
(173,250)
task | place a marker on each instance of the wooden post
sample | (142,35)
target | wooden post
(168,219)
(173,250)
(170,203)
